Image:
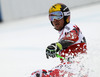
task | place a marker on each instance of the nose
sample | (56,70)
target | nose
(55,20)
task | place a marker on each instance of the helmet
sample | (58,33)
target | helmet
(64,9)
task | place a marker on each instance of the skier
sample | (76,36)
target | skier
(71,46)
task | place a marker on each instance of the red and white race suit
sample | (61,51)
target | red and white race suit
(75,55)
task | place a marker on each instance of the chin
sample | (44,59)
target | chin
(57,29)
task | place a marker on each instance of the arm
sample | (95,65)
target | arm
(69,39)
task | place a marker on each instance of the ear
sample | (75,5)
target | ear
(68,19)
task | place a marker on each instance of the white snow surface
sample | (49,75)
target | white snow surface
(23,42)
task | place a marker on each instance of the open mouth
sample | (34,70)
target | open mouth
(56,24)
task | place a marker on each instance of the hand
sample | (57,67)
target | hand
(53,49)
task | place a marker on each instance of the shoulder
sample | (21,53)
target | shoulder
(70,27)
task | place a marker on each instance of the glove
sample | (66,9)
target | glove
(52,49)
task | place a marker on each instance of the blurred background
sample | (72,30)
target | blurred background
(25,32)
(18,9)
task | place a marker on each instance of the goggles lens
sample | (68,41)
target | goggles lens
(55,15)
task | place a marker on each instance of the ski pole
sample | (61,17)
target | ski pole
(57,55)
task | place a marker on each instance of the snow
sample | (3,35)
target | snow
(23,42)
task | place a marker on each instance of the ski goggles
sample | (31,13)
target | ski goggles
(56,15)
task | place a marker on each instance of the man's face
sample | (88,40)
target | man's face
(58,24)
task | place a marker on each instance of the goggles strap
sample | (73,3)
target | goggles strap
(67,13)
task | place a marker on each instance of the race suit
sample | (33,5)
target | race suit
(74,51)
